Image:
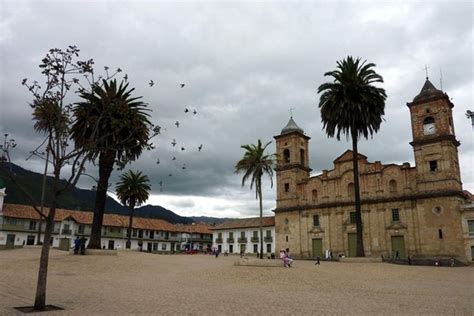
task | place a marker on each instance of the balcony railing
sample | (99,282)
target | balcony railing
(218,240)
(268,239)
(66,232)
(230,240)
(242,240)
(254,239)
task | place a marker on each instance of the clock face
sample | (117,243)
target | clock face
(429,129)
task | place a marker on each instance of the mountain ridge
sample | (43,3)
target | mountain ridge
(83,199)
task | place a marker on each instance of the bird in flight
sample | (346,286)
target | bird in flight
(182,85)
(158,161)
(174,158)
(173,142)
(182,148)
(151,83)
(170,175)
(177,124)
(186,110)
(194,112)
(184,166)
(200,147)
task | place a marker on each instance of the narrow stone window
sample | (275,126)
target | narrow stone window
(287,187)
(316,220)
(433,165)
(287,238)
(395,215)
(286,156)
(314,195)
(440,233)
(352,217)
(302,158)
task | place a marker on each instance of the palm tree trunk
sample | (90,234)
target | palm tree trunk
(261,220)
(106,166)
(130,220)
(355,165)
(40,298)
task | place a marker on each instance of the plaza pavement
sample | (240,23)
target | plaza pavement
(148,284)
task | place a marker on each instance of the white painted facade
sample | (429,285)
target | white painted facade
(247,239)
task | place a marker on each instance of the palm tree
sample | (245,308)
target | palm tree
(119,127)
(353,106)
(132,190)
(255,164)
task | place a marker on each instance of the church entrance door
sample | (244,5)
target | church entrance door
(352,243)
(398,247)
(317,248)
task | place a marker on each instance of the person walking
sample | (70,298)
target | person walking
(317,261)
(77,245)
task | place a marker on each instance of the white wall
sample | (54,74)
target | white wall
(248,234)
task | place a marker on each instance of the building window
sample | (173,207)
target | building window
(440,233)
(242,234)
(255,248)
(134,233)
(255,234)
(163,246)
(231,235)
(470,226)
(395,215)
(392,186)
(80,229)
(219,235)
(433,165)
(269,233)
(352,217)
(350,190)
(287,238)
(140,233)
(32,225)
(231,248)
(302,157)
(155,246)
(287,187)
(316,220)
(314,195)
(152,234)
(286,155)
(269,248)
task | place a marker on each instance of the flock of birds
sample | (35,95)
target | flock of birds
(194,112)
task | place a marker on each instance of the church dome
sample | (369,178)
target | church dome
(428,92)
(291,127)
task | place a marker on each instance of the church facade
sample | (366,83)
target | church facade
(407,210)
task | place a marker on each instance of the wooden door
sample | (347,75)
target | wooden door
(317,248)
(398,247)
(352,244)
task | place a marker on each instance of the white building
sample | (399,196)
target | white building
(20,226)
(243,235)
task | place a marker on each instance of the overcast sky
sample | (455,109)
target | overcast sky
(244,65)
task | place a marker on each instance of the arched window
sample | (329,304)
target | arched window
(350,190)
(302,157)
(286,155)
(392,186)
(314,195)
(428,120)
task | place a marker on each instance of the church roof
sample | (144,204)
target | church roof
(291,127)
(347,156)
(427,92)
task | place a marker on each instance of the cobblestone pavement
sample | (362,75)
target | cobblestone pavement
(142,283)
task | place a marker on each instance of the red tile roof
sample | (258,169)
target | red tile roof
(82,217)
(245,223)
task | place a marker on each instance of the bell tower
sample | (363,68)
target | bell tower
(292,164)
(434,140)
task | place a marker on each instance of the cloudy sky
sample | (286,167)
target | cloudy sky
(244,65)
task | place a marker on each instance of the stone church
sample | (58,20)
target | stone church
(406,210)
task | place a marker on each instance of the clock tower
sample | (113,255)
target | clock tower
(434,140)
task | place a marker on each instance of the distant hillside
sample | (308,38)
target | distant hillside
(80,199)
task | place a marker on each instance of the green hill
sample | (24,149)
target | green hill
(80,199)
